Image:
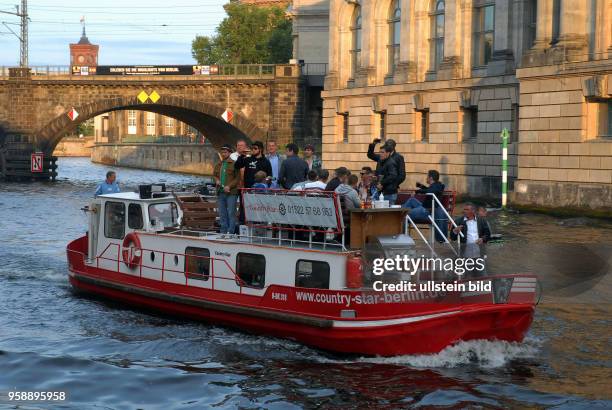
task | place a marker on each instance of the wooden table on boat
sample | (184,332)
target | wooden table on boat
(375,222)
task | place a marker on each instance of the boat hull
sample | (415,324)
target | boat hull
(420,333)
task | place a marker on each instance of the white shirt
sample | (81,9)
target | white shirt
(315,185)
(472,230)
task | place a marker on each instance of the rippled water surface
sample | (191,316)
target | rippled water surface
(107,356)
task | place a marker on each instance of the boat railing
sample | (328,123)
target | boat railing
(188,275)
(311,224)
(252,238)
(409,222)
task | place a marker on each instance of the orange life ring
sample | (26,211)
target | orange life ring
(131,259)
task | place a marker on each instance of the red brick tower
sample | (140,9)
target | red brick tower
(84,53)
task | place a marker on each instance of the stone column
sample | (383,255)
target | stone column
(451,65)
(366,73)
(335,35)
(573,39)
(406,68)
(543,25)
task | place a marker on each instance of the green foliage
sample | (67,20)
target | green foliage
(86,128)
(248,35)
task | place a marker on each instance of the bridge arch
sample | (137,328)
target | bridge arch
(203,116)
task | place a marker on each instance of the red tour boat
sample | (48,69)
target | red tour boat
(283,278)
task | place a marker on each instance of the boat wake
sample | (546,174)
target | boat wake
(484,353)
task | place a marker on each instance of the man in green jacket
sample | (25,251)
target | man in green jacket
(226,178)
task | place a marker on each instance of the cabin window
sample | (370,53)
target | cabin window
(251,268)
(135,216)
(312,274)
(197,263)
(114,220)
(166,213)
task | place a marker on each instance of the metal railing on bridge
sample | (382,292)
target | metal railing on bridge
(213,71)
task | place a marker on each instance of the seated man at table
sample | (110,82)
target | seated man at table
(348,193)
(420,211)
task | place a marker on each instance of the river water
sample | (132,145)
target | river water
(108,356)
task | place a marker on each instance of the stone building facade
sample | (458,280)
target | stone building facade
(443,78)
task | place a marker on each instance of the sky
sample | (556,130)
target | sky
(155,32)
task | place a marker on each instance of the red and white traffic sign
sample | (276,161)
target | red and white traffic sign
(73,114)
(36,164)
(227,115)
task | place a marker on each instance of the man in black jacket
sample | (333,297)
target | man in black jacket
(475,233)
(293,169)
(387,173)
(420,211)
(256,162)
(475,230)
(399,161)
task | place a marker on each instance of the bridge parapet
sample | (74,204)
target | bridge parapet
(221,72)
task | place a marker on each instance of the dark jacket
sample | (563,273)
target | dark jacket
(232,176)
(293,170)
(401,166)
(396,157)
(332,184)
(251,166)
(388,176)
(484,232)
(435,188)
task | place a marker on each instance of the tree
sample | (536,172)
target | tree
(248,35)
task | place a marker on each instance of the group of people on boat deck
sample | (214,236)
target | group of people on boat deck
(256,168)
(261,170)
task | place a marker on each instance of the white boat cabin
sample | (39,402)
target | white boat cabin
(144,237)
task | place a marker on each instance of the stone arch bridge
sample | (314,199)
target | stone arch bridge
(34,109)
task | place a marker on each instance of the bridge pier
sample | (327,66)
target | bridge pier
(16,156)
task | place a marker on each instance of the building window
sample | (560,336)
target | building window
(483,34)
(169,126)
(382,125)
(251,268)
(437,35)
(131,122)
(605,119)
(345,126)
(395,16)
(114,220)
(514,118)
(556,21)
(164,213)
(150,123)
(197,263)
(356,41)
(312,274)
(531,22)
(470,124)
(135,220)
(422,125)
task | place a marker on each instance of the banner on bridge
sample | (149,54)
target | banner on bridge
(146,70)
